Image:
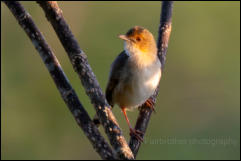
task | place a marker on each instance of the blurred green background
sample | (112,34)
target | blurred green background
(198,107)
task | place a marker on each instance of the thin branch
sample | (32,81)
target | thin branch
(162,44)
(164,31)
(67,92)
(79,61)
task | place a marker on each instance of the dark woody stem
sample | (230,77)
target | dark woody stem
(162,44)
(79,61)
(61,81)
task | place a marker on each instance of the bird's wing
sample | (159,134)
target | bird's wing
(116,67)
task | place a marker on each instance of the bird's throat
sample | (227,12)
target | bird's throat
(141,58)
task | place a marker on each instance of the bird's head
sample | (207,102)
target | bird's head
(139,39)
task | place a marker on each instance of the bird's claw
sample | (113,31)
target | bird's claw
(150,104)
(137,134)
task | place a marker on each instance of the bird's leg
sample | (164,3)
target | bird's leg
(133,132)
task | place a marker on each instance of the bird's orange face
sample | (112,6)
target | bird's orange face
(141,39)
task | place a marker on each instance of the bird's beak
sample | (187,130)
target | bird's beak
(123,37)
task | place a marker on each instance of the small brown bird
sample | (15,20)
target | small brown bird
(135,73)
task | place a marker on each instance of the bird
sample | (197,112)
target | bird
(135,73)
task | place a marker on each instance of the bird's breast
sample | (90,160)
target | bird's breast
(140,84)
(147,80)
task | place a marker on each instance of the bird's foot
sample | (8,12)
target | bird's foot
(137,134)
(150,104)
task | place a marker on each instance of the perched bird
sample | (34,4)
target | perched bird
(135,73)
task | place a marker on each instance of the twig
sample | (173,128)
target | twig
(162,44)
(79,61)
(164,31)
(67,92)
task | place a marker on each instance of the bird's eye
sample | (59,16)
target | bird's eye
(138,39)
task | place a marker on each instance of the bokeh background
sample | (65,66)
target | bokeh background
(198,107)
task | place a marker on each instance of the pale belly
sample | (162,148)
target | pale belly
(140,85)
